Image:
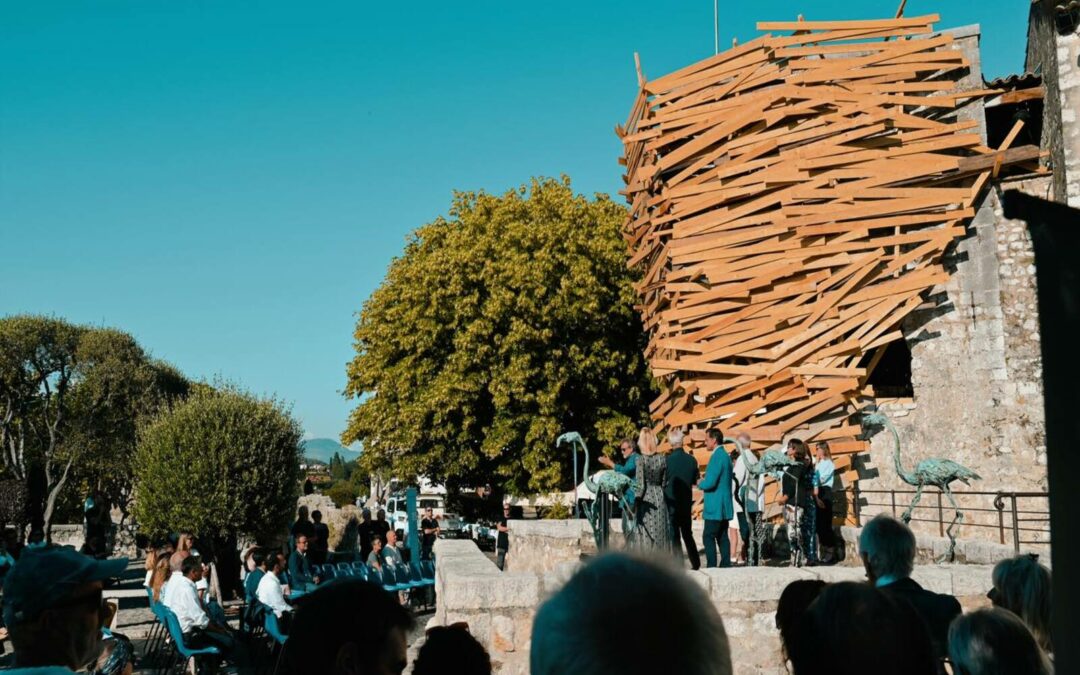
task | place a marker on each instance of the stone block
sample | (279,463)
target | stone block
(751,584)
(837,573)
(936,578)
(491,591)
(736,626)
(502,634)
(971,580)
(701,579)
(557,577)
(765,623)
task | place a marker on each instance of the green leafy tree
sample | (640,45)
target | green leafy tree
(501,326)
(221,464)
(342,493)
(70,399)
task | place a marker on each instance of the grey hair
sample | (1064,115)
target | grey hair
(994,642)
(582,629)
(675,437)
(889,547)
(1022,586)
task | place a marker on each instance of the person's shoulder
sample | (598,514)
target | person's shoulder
(46,670)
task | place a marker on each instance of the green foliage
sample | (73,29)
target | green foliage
(70,400)
(337,468)
(343,493)
(499,328)
(557,511)
(219,463)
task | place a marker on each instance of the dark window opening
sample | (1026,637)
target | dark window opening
(892,376)
(1001,118)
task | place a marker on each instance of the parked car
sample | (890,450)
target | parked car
(450,524)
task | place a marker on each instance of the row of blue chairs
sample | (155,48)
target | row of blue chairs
(391,577)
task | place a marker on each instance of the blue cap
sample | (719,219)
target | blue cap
(44,577)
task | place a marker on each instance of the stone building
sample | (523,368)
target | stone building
(968,381)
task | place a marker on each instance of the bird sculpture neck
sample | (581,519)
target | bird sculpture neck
(904,475)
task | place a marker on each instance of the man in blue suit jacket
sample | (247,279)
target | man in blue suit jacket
(719,509)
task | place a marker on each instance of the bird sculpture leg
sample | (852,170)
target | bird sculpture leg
(951,555)
(906,517)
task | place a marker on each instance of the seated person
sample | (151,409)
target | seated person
(53,608)
(887,548)
(300,567)
(183,599)
(117,658)
(992,642)
(451,644)
(390,553)
(270,593)
(374,559)
(251,581)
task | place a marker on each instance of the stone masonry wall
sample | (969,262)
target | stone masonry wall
(976,370)
(499,607)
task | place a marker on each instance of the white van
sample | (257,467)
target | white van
(397,514)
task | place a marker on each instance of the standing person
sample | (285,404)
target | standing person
(628,467)
(300,566)
(719,509)
(682,476)
(53,609)
(302,526)
(824,472)
(653,529)
(749,490)
(430,530)
(796,484)
(364,533)
(380,525)
(502,541)
(320,541)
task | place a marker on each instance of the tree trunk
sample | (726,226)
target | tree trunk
(50,502)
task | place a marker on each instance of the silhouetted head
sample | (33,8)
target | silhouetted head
(794,601)
(1022,586)
(994,642)
(454,644)
(887,548)
(582,629)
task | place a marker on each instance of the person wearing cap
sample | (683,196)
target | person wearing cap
(54,610)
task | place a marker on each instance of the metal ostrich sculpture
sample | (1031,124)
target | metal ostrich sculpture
(772,462)
(607,483)
(936,471)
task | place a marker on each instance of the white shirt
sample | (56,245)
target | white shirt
(181,597)
(269,593)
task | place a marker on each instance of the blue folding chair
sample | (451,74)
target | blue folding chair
(273,629)
(155,639)
(344,567)
(328,573)
(416,575)
(181,652)
(361,570)
(390,581)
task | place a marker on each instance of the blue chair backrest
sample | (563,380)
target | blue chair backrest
(329,573)
(270,623)
(172,624)
(416,575)
(362,571)
(344,567)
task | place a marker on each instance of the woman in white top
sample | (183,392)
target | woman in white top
(824,472)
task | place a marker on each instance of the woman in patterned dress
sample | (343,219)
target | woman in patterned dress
(653,530)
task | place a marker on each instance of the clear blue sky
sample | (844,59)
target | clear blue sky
(228,181)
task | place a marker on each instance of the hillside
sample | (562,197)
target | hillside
(322,449)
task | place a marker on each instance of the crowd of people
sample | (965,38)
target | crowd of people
(54,608)
(733,488)
(886,625)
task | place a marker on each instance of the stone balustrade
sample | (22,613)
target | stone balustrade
(499,606)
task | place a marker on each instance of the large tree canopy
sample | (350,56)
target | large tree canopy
(70,400)
(500,327)
(220,464)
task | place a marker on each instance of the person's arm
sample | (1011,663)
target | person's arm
(711,481)
(629,468)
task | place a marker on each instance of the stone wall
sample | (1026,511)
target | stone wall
(930,549)
(976,367)
(499,607)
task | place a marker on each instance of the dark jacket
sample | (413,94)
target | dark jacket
(797,485)
(936,609)
(682,476)
(300,568)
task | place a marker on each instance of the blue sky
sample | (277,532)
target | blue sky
(229,181)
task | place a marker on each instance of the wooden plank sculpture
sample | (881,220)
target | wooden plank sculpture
(790,203)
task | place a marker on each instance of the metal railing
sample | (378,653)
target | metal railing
(1022,517)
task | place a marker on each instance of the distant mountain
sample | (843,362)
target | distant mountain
(322,449)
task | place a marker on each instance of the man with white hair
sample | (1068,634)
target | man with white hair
(583,629)
(682,476)
(887,549)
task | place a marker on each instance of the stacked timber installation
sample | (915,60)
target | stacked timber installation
(791,200)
